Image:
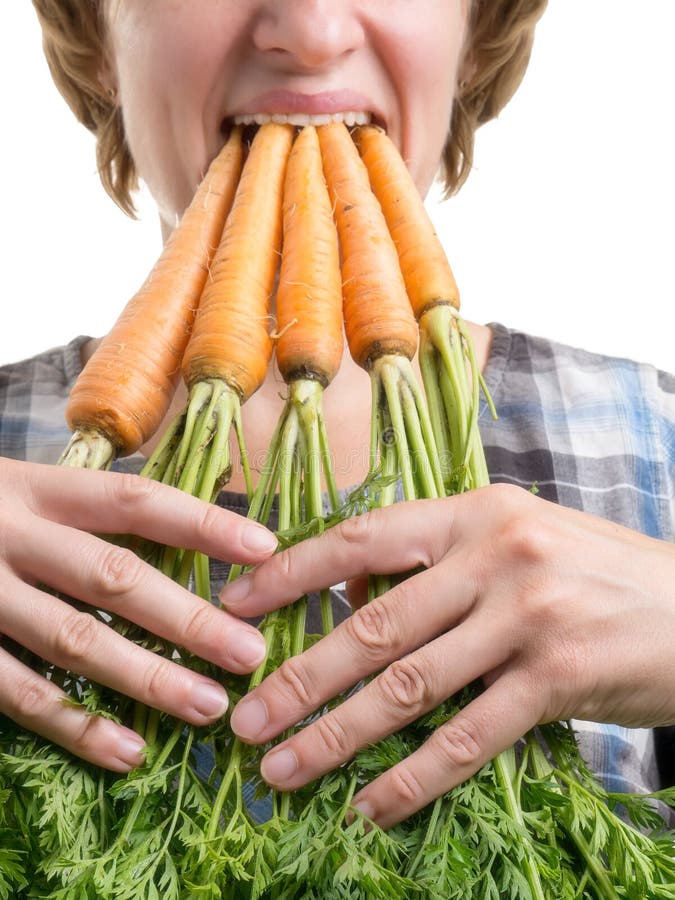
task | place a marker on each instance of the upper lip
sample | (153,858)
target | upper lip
(325,102)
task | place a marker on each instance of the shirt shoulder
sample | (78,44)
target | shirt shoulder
(33,397)
(594,432)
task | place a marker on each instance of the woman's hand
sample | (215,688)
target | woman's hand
(562,615)
(45,514)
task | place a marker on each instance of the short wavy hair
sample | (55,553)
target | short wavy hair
(498,49)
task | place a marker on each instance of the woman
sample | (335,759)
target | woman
(565,610)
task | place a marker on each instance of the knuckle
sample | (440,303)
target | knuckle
(334,737)
(210,518)
(131,491)
(280,567)
(75,638)
(406,790)
(88,738)
(30,702)
(508,497)
(458,745)
(118,571)
(199,624)
(526,539)
(296,683)
(405,689)
(374,629)
(157,678)
(356,530)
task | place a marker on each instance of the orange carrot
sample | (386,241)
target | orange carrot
(125,389)
(230,339)
(309,295)
(447,359)
(426,271)
(377,312)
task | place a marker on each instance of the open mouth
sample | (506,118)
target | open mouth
(350,118)
(251,122)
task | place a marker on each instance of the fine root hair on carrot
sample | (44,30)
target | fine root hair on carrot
(380,326)
(309,289)
(125,389)
(309,341)
(228,354)
(229,339)
(424,264)
(447,360)
(377,313)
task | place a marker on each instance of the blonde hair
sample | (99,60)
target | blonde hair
(73,35)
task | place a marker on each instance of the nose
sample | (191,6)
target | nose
(308,34)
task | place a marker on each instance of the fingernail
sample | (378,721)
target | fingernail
(250,649)
(130,749)
(249,718)
(209,699)
(278,767)
(258,539)
(236,592)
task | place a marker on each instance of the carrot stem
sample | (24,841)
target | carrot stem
(88,450)
(387,372)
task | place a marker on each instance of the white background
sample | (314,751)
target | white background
(565,227)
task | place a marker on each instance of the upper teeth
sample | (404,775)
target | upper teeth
(349,118)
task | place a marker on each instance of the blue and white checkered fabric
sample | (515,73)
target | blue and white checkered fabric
(595,434)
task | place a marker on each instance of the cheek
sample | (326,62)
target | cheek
(165,67)
(424,61)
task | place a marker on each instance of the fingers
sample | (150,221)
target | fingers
(403,692)
(78,642)
(38,705)
(489,725)
(384,630)
(115,579)
(396,539)
(117,503)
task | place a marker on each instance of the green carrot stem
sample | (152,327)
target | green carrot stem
(140,801)
(426,472)
(379,584)
(217,465)
(199,399)
(438,419)
(152,726)
(197,442)
(296,498)
(375,431)
(429,834)
(202,575)
(243,453)
(317,459)
(504,768)
(104,825)
(223,790)
(383,369)
(178,807)
(140,717)
(268,629)
(327,463)
(156,464)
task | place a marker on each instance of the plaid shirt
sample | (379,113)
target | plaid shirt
(594,433)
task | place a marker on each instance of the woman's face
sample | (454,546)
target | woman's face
(184,69)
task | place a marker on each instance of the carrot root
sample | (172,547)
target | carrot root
(126,387)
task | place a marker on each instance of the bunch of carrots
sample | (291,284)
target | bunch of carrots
(333,223)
